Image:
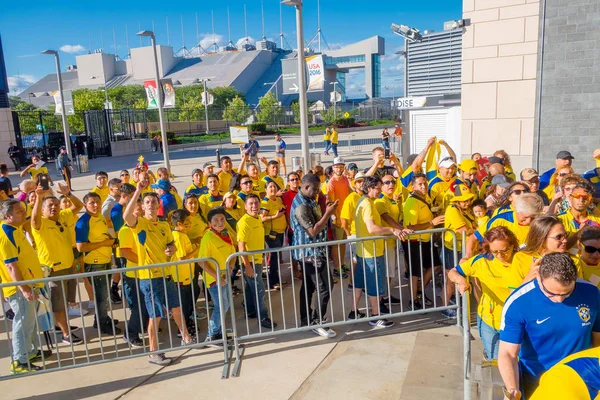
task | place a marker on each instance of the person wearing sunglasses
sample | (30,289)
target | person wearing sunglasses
(124,175)
(578,216)
(560,202)
(531,178)
(507,200)
(545,320)
(55,252)
(554,188)
(493,268)
(589,254)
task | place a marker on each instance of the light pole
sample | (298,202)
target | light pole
(205,98)
(62,101)
(161,117)
(334,99)
(273,86)
(301,82)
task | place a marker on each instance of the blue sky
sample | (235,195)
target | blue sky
(76,26)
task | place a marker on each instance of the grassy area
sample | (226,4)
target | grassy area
(213,137)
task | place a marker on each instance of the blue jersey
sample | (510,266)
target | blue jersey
(548,331)
(546,177)
(116,216)
(593,176)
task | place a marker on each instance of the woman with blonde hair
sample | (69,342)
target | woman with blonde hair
(508,169)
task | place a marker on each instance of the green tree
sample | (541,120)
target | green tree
(329,115)
(83,100)
(270,110)
(237,110)
(126,96)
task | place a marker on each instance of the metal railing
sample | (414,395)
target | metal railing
(97,349)
(291,307)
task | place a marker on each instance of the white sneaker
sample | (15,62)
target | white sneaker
(75,312)
(325,332)
(91,305)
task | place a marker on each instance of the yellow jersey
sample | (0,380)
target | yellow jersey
(225,179)
(438,191)
(367,211)
(524,260)
(387,205)
(54,244)
(213,246)
(573,226)
(14,247)
(33,172)
(417,211)
(152,239)
(232,216)
(334,137)
(182,273)
(509,220)
(266,179)
(272,207)
(199,226)
(251,231)
(127,241)
(456,219)
(102,192)
(591,273)
(208,202)
(93,229)
(349,209)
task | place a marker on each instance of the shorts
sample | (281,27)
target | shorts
(156,298)
(373,269)
(339,233)
(448,257)
(280,155)
(419,254)
(57,298)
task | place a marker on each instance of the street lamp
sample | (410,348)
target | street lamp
(334,99)
(62,101)
(273,86)
(106,104)
(161,117)
(302,82)
(205,98)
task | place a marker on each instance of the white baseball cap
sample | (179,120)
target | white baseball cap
(446,162)
(338,161)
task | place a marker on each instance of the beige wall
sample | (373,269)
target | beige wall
(7,135)
(499,78)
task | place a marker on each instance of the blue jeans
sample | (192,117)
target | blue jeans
(373,269)
(24,340)
(386,144)
(490,338)
(255,294)
(327,145)
(101,293)
(132,294)
(214,325)
(334,149)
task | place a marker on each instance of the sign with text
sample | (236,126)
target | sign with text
(289,75)
(69,109)
(407,103)
(238,134)
(316,73)
(314,70)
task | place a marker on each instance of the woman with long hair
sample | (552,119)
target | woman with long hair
(554,189)
(195,233)
(508,169)
(493,197)
(497,277)
(510,195)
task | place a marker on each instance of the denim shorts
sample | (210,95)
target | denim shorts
(490,338)
(373,269)
(155,297)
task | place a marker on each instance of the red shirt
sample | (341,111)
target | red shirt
(287,198)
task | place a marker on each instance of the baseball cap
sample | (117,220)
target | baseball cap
(563,155)
(352,166)
(495,160)
(360,175)
(462,193)
(501,181)
(483,161)
(528,174)
(446,162)
(338,161)
(207,164)
(162,184)
(196,170)
(62,148)
(467,165)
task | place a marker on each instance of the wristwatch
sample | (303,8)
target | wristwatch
(511,394)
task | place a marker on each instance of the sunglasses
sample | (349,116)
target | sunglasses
(580,196)
(124,174)
(560,237)
(518,192)
(502,252)
(246,183)
(60,227)
(389,182)
(563,174)
(550,294)
(591,249)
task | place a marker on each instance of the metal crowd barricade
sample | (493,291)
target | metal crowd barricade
(99,349)
(285,310)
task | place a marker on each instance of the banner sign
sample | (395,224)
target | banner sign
(316,73)
(411,102)
(70,110)
(239,134)
(152,94)
(169,93)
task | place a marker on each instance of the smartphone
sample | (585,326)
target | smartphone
(386,153)
(45,182)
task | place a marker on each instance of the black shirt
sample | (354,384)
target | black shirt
(6,185)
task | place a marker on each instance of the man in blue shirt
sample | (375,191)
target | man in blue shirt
(544,321)
(166,198)
(251,149)
(563,159)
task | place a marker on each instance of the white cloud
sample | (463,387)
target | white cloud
(18,83)
(336,46)
(241,41)
(207,40)
(73,49)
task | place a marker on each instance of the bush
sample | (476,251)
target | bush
(258,127)
(345,122)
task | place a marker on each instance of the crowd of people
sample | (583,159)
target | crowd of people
(531,253)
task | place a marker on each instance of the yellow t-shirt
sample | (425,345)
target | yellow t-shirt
(509,220)
(572,226)
(565,380)
(272,207)
(334,137)
(251,231)
(233,216)
(54,244)
(178,199)
(367,211)
(208,202)
(415,213)
(198,226)
(33,172)
(439,191)
(14,247)
(455,219)
(524,260)
(127,241)
(266,179)
(152,239)
(213,246)
(93,229)
(69,219)
(102,192)
(225,179)
(497,281)
(327,135)
(386,205)
(182,273)
(591,273)
(349,209)
(482,221)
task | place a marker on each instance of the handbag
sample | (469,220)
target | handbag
(44,311)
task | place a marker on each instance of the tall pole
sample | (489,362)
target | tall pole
(205,95)
(161,117)
(302,90)
(63,113)
(334,102)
